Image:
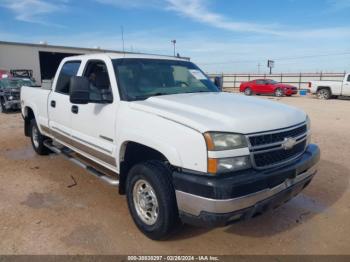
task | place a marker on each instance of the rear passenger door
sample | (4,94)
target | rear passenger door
(93,124)
(59,106)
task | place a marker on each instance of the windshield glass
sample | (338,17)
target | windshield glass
(15,83)
(139,79)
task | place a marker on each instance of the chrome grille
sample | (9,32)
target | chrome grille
(263,139)
(267,148)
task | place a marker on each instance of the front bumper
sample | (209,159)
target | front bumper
(12,104)
(208,201)
(291,92)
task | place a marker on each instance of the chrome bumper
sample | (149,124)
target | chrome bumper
(194,205)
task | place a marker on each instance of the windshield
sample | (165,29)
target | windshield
(15,83)
(139,79)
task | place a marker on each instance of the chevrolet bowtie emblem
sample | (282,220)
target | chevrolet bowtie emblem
(288,143)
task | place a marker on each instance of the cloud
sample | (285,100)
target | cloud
(128,4)
(198,10)
(33,11)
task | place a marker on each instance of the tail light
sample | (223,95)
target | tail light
(309,85)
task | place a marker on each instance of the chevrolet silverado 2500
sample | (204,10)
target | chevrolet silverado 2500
(326,89)
(162,132)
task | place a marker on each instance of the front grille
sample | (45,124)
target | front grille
(267,148)
(15,95)
(278,156)
(264,139)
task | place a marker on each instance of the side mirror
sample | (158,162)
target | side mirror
(218,82)
(79,90)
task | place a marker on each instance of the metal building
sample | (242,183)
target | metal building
(42,59)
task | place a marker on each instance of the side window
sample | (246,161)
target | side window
(348,78)
(68,70)
(100,86)
(260,82)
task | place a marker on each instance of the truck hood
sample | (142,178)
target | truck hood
(222,111)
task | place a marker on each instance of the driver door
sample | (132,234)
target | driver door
(93,124)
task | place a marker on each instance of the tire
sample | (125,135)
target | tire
(279,92)
(151,182)
(38,139)
(2,107)
(248,91)
(324,94)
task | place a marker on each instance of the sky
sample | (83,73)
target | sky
(230,36)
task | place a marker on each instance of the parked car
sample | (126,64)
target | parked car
(173,143)
(10,92)
(327,89)
(267,86)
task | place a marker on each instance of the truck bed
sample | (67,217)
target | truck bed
(34,98)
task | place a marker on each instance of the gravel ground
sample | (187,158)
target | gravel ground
(41,214)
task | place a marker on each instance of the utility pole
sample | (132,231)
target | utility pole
(174,43)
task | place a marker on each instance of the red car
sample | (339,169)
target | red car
(267,86)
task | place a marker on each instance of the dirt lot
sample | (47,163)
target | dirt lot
(41,214)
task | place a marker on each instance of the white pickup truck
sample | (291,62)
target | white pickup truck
(162,132)
(327,89)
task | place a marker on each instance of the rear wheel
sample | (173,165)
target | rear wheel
(279,92)
(324,94)
(151,199)
(38,139)
(248,91)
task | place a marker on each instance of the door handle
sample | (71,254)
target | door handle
(53,103)
(75,109)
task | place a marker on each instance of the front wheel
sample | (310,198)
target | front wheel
(279,92)
(37,139)
(151,199)
(2,107)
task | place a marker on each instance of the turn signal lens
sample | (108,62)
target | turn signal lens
(212,166)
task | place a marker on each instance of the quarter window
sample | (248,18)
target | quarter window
(68,70)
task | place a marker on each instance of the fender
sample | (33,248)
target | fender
(157,144)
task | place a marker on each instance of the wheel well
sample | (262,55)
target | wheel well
(324,87)
(133,153)
(28,116)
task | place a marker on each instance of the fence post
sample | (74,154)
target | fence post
(299,81)
(321,76)
(281,78)
(248,77)
(234,81)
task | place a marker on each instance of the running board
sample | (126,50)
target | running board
(67,153)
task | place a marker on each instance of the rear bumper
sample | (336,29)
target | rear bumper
(250,194)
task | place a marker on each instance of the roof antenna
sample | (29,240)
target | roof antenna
(122,29)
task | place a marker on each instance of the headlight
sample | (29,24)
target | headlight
(224,141)
(10,97)
(308,123)
(224,165)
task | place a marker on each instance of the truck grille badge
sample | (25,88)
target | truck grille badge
(288,143)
